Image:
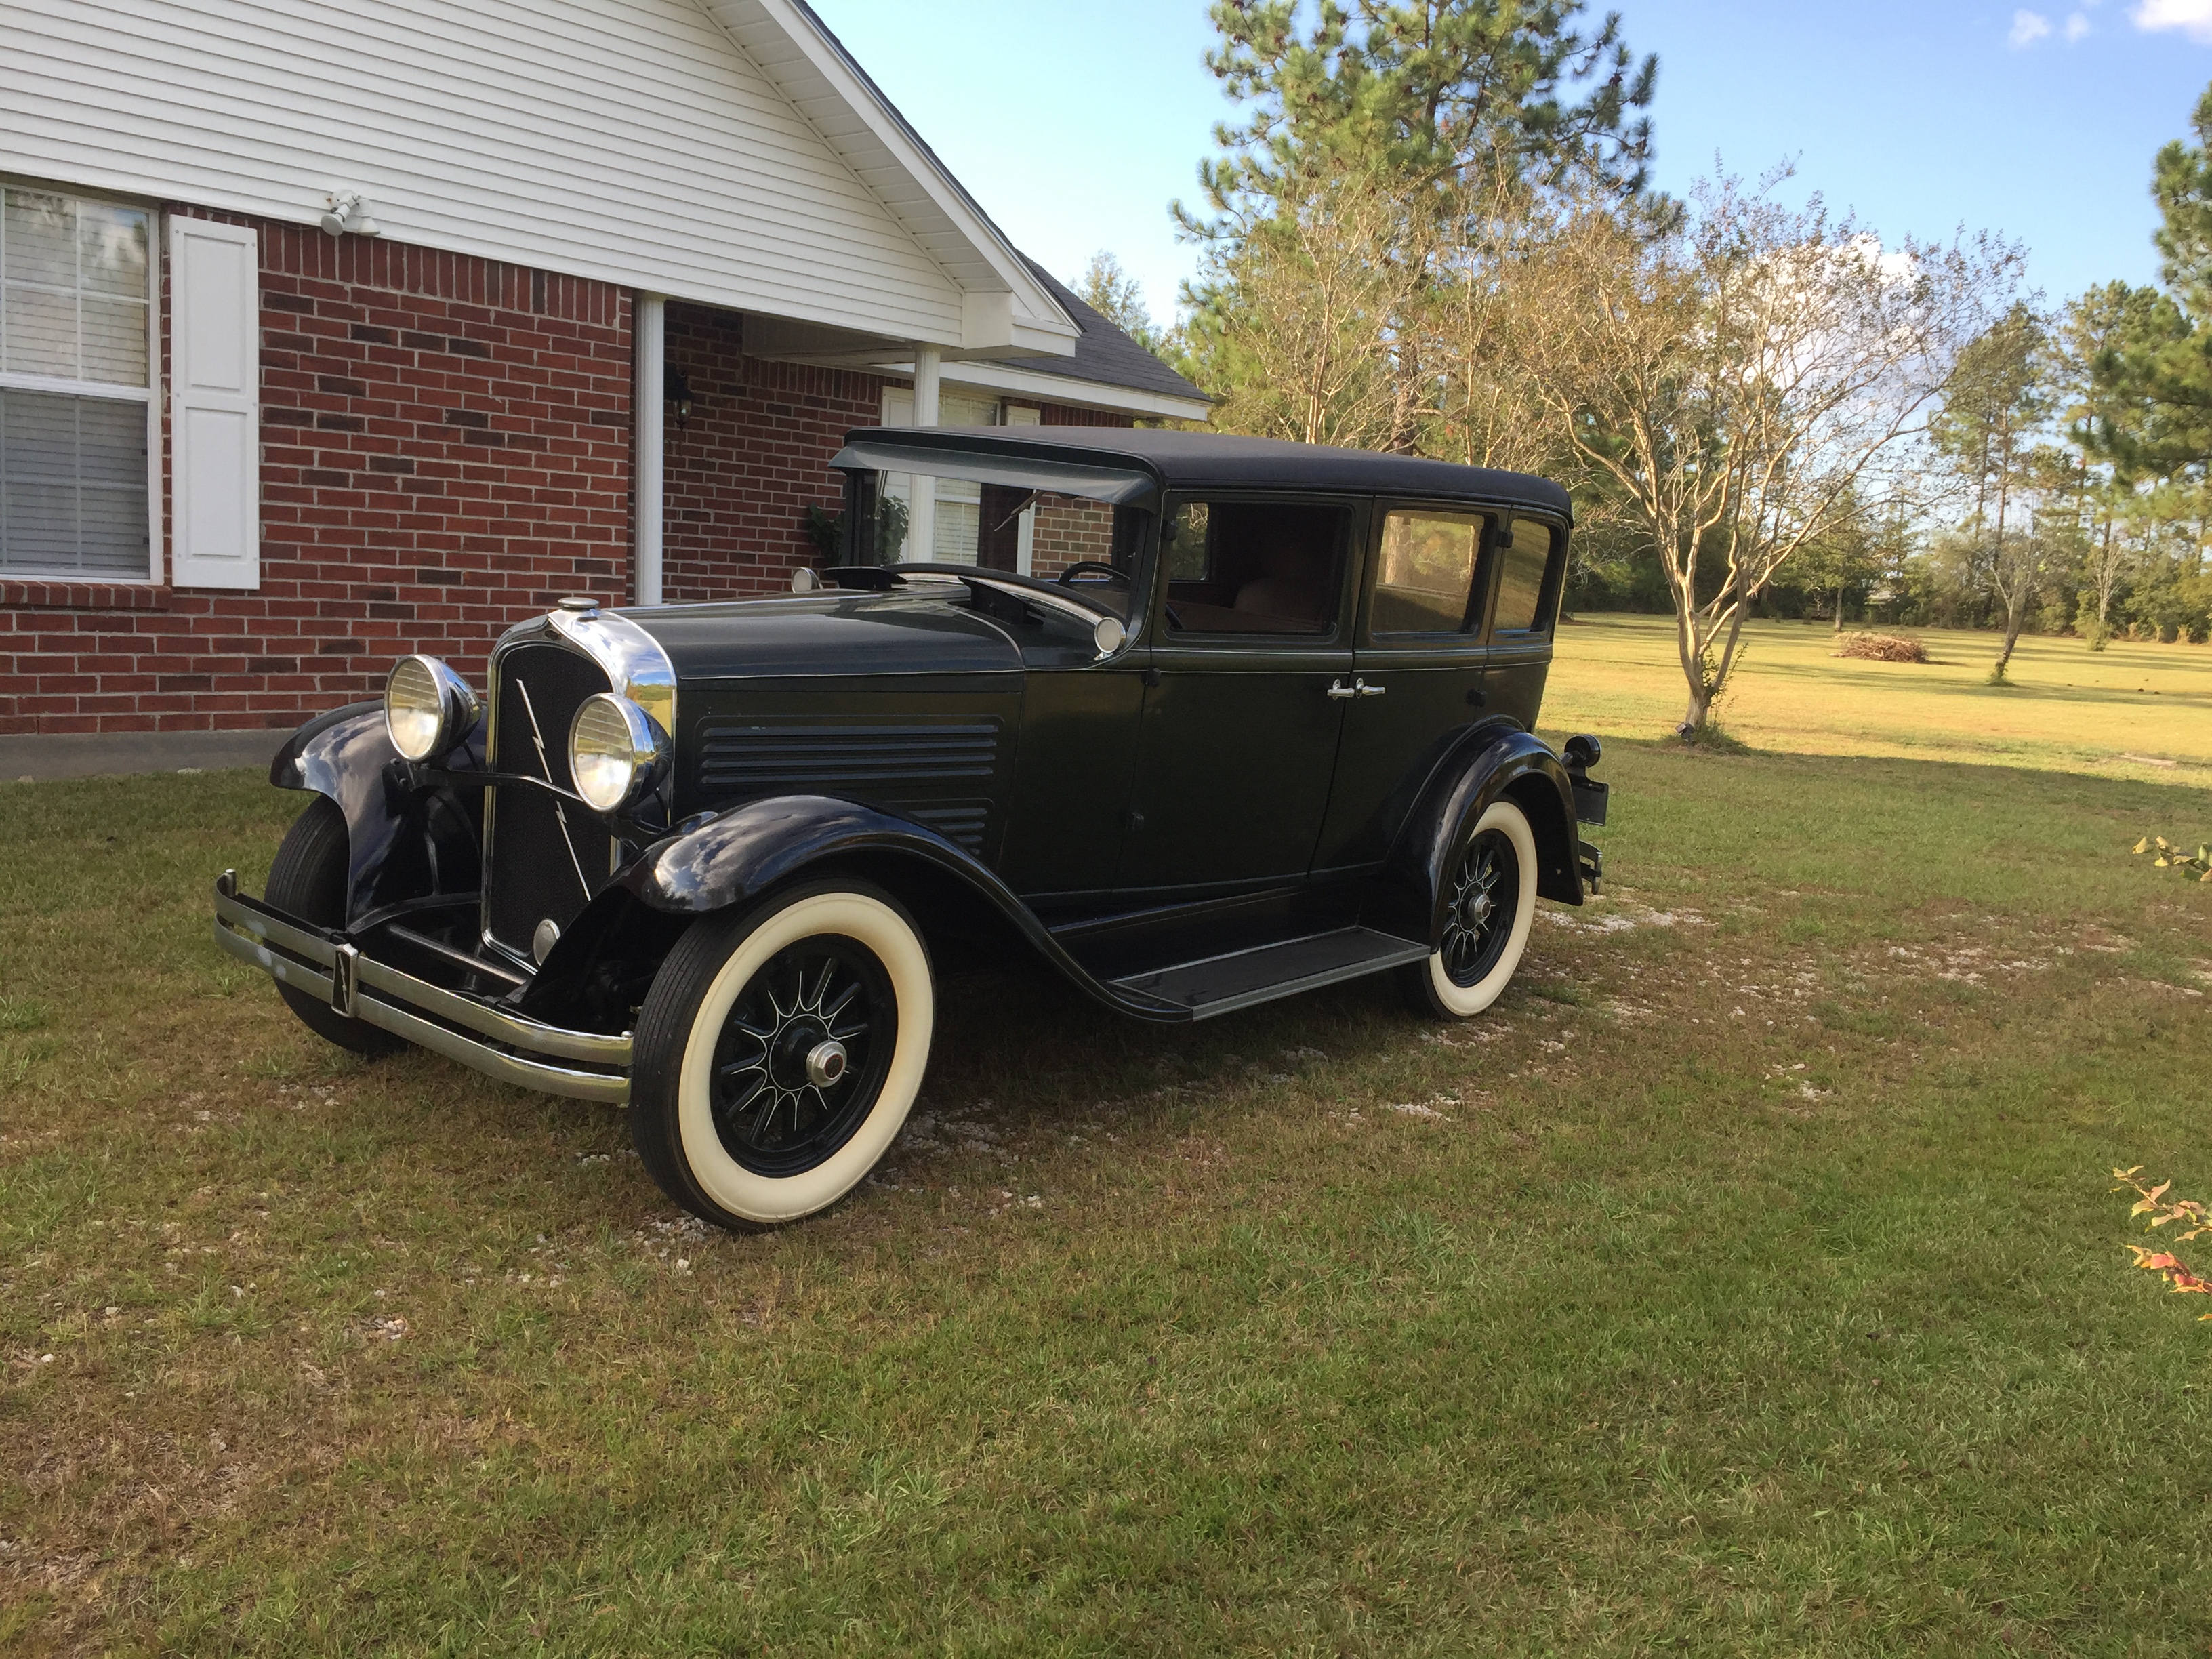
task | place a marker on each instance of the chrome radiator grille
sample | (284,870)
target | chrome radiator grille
(536,867)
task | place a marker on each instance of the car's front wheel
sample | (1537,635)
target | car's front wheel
(1490,901)
(779,1052)
(309,880)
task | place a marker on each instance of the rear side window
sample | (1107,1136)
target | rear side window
(1424,579)
(1521,578)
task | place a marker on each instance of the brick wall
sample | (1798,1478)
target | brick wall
(445,448)
(754,453)
(1068,531)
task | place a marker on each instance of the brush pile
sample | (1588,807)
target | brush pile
(1882,648)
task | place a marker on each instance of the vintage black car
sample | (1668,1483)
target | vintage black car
(1199,720)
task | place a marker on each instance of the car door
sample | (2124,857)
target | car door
(1419,661)
(1251,675)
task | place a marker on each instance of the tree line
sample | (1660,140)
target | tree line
(1432,231)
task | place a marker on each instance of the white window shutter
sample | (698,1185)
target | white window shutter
(215,403)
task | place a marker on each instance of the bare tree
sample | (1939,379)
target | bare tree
(1746,377)
(1303,320)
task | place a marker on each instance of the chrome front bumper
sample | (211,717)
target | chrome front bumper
(332,968)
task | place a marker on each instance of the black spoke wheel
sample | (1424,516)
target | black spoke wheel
(1483,895)
(801,1061)
(779,1051)
(1486,902)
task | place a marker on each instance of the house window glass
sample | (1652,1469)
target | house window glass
(1521,577)
(1425,574)
(75,386)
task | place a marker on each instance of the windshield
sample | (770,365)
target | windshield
(920,518)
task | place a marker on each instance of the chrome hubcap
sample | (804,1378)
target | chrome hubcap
(825,1062)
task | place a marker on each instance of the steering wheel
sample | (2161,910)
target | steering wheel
(1066,578)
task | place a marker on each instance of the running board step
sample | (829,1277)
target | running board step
(1221,985)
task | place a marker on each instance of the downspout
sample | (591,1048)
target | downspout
(650,402)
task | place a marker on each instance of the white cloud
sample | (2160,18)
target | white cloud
(2029,27)
(2192,17)
(2076,26)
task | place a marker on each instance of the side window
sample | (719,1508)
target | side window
(1425,575)
(1254,568)
(1521,577)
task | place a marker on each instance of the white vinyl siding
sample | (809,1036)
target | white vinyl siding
(625,140)
(76,410)
(215,403)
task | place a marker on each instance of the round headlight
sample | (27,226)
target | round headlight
(427,708)
(616,752)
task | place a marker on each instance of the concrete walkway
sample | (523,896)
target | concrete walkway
(108,754)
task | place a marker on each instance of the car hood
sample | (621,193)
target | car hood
(833,633)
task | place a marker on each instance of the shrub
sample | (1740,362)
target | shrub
(1882,648)
(2197,1223)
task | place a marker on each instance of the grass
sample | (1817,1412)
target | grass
(2130,711)
(1747,1283)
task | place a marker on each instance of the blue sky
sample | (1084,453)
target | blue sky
(1075,122)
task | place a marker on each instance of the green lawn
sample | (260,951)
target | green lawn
(1748,1282)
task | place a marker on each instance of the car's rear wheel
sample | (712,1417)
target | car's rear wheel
(1490,905)
(309,880)
(779,1052)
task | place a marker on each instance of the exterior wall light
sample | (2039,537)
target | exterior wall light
(348,212)
(677,392)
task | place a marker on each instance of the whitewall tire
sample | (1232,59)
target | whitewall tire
(779,1052)
(1490,905)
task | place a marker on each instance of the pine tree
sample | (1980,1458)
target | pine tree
(1406,108)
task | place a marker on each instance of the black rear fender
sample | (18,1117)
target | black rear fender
(405,841)
(1495,761)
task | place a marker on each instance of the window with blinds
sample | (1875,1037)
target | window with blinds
(75,386)
(957,522)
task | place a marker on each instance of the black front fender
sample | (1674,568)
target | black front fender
(764,844)
(405,840)
(1494,761)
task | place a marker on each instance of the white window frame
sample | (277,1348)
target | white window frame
(147,394)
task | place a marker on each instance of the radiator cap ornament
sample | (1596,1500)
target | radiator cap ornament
(580,605)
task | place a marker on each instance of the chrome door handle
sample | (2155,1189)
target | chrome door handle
(1339,688)
(1361,689)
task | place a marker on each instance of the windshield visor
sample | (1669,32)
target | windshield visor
(1004,519)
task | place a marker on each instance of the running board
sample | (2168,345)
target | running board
(1221,985)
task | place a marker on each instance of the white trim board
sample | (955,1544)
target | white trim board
(1000,379)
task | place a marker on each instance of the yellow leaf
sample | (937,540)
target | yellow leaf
(2143,846)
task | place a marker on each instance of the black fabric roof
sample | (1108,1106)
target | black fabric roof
(1104,353)
(1197,460)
